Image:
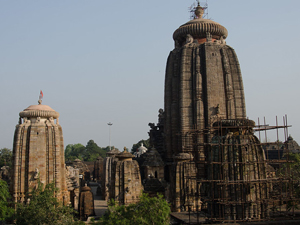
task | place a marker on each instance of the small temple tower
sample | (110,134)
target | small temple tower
(126,184)
(108,163)
(38,153)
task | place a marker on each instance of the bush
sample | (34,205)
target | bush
(148,210)
(5,210)
(44,208)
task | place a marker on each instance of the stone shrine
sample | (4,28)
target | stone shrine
(126,185)
(38,153)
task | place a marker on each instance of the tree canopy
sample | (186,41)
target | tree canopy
(5,157)
(90,152)
(5,210)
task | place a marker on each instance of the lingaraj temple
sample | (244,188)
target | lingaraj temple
(203,155)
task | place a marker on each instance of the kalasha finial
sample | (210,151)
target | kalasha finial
(40,97)
(199,11)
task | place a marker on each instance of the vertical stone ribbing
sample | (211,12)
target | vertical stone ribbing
(203,83)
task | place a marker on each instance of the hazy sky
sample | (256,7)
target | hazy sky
(104,61)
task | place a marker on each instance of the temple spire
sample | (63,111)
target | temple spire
(199,11)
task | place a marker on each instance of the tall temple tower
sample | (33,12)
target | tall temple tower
(38,153)
(203,83)
(203,92)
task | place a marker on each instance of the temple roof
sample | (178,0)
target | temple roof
(112,152)
(125,155)
(200,27)
(39,111)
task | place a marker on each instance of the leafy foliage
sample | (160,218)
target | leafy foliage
(5,157)
(148,210)
(291,171)
(44,208)
(135,147)
(5,210)
(74,151)
(90,152)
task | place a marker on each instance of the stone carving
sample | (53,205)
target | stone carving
(189,39)
(208,37)
(36,174)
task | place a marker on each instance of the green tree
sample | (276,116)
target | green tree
(5,157)
(148,210)
(44,208)
(74,151)
(146,143)
(5,210)
(90,152)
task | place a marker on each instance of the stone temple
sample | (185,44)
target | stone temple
(208,143)
(38,153)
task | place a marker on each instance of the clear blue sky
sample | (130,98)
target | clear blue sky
(104,61)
